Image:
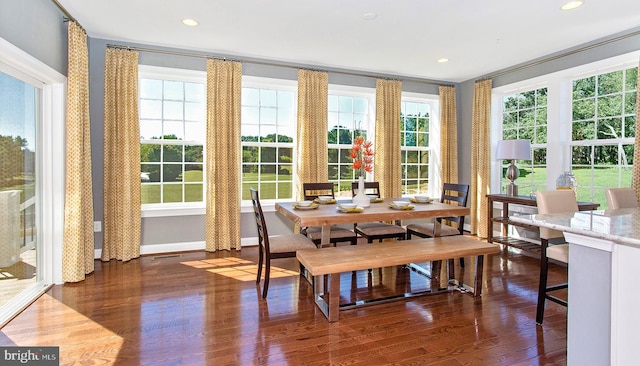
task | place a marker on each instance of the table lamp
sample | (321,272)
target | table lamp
(513,150)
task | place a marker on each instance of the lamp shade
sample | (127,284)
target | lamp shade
(513,150)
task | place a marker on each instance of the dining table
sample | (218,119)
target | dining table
(328,214)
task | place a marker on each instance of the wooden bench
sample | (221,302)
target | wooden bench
(325,265)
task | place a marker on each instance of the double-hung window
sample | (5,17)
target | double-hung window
(524,116)
(350,116)
(172,105)
(417,143)
(603,131)
(268,131)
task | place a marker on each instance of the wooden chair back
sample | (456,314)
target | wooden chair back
(263,234)
(311,191)
(455,194)
(370,188)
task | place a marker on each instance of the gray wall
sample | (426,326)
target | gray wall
(596,52)
(36,27)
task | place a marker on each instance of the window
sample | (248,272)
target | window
(416,149)
(580,119)
(349,117)
(172,136)
(268,131)
(603,131)
(524,116)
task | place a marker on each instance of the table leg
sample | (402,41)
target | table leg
(490,221)
(334,297)
(477,280)
(326,235)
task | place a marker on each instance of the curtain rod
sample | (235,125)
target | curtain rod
(556,57)
(267,63)
(66,13)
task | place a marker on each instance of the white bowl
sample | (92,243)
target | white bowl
(325,198)
(348,205)
(401,203)
(421,198)
(372,196)
(304,203)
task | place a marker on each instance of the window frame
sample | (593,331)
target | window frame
(434,178)
(175,208)
(259,82)
(369,125)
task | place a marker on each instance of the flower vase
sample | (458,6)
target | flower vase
(361,198)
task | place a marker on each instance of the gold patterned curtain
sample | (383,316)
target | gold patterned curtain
(311,140)
(448,135)
(122,216)
(480,156)
(636,150)
(78,252)
(223,155)
(387,167)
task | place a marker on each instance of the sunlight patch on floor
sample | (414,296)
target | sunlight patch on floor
(237,268)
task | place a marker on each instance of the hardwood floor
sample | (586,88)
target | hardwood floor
(200,308)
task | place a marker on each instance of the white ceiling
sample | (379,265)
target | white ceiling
(405,39)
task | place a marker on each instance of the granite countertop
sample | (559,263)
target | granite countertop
(621,226)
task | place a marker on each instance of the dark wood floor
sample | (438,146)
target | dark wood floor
(200,308)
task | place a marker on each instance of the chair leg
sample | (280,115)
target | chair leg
(267,271)
(260,260)
(542,286)
(462,262)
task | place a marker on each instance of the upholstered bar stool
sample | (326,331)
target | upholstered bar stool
(621,198)
(553,245)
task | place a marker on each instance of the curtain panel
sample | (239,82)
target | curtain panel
(223,155)
(635,180)
(480,156)
(387,159)
(78,243)
(122,200)
(448,135)
(311,139)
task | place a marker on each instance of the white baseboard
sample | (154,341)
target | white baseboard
(179,247)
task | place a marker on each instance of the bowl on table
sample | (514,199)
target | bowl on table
(304,203)
(422,198)
(325,198)
(348,206)
(401,203)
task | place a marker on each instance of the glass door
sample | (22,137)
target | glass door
(19,196)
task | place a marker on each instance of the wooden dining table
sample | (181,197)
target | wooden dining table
(326,215)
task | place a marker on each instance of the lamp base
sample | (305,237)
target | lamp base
(512,189)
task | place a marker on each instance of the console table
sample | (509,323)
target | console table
(505,221)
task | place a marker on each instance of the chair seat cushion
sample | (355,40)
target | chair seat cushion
(336,232)
(289,243)
(379,228)
(559,252)
(427,229)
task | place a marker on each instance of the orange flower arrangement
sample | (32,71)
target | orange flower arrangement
(362,154)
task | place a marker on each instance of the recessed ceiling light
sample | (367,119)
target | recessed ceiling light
(571,5)
(443,60)
(369,16)
(190,22)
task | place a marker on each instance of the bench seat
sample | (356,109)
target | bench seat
(325,265)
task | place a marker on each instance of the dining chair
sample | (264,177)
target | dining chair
(553,245)
(624,197)
(338,234)
(376,230)
(456,194)
(282,246)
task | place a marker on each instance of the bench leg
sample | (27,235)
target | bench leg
(327,295)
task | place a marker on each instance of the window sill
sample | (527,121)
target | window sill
(194,211)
